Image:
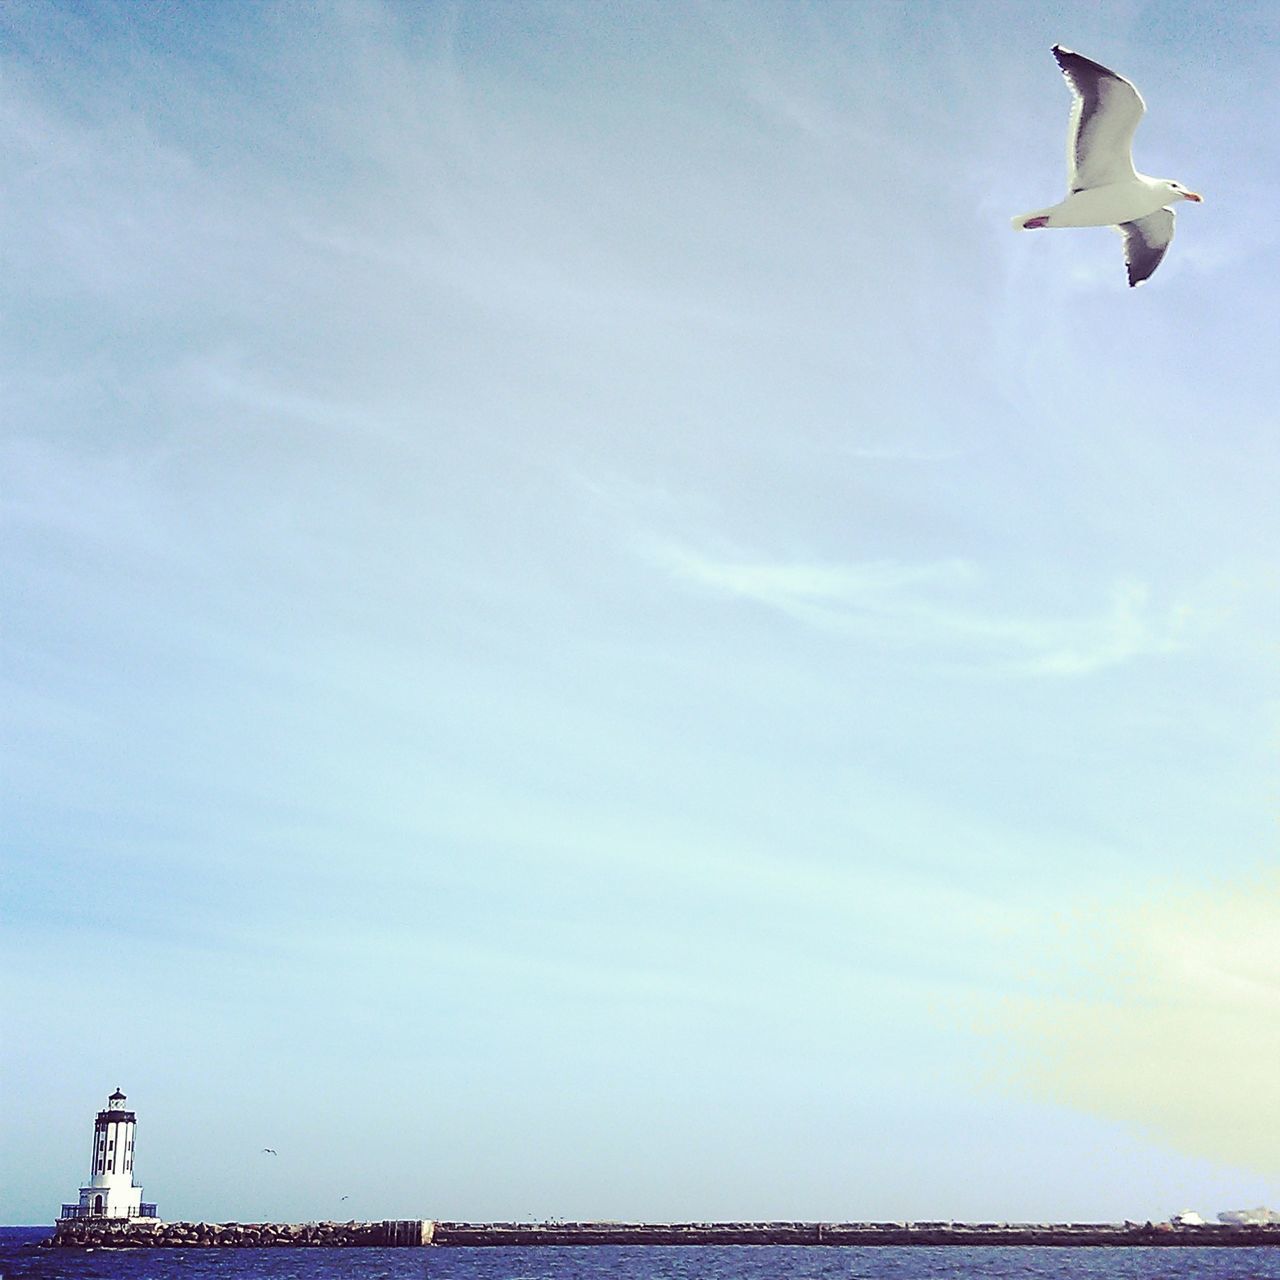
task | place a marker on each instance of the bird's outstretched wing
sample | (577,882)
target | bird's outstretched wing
(1145,243)
(1105,114)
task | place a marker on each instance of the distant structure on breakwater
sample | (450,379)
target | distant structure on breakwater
(110,1192)
(1259,1217)
(139,1233)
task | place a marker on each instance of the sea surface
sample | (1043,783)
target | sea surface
(20,1259)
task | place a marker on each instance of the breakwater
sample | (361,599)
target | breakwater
(1129,1234)
(142,1234)
(139,1233)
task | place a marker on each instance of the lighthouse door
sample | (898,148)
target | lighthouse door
(97,1204)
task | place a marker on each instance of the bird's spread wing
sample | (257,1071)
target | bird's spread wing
(1145,243)
(1105,113)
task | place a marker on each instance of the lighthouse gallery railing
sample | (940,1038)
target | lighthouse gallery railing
(86,1211)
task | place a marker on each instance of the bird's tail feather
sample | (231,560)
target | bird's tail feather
(1029,221)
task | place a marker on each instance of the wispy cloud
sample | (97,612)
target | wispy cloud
(933,605)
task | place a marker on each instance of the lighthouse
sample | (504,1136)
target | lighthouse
(110,1192)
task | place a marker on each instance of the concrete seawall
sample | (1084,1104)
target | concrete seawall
(481,1235)
(134,1234)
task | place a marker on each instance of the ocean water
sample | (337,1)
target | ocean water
(19,1259)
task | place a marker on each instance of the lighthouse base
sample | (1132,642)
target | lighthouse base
(127,1212)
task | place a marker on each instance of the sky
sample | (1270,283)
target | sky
(587,633)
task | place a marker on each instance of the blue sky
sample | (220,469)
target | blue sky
(587,632)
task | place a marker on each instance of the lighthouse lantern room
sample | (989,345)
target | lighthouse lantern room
(110,1192)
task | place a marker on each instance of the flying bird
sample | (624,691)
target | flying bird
(1105,189)
(268,1151)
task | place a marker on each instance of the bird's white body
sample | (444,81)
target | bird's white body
(1108,206)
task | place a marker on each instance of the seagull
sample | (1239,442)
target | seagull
(268,1151)
(1105,189)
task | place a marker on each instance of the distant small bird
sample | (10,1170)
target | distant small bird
(346,1197)
(268,1151)
(1106,190)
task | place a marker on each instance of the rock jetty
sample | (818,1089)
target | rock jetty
(133,1233)
(142,1234)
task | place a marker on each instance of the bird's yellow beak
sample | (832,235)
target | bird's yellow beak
(1191,195)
